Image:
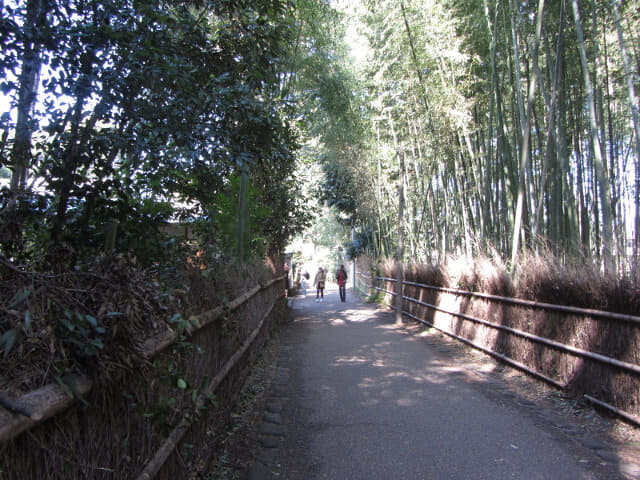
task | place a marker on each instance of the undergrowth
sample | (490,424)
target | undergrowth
(94,318)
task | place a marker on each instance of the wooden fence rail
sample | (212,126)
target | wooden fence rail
(526,303)
(52,399)
(626,366)
(154,465)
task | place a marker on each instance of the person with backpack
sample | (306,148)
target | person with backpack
(341,278)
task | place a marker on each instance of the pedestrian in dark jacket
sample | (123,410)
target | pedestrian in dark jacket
(341,278)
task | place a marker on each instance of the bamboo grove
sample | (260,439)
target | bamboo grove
(516,122)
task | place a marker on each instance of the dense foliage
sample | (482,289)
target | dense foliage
(144,112)
(148,160)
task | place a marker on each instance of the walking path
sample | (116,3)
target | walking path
(357,398)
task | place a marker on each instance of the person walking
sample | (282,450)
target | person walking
(318,282)
(341,277)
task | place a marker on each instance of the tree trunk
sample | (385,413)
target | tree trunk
(550,122)
(416,65)
(631,77)
(400,251)
(526,137)
(72,153)
(601,170)
(400,256)
(28,86)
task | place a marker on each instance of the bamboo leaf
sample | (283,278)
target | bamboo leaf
(20,297)
(9,339)
(70,326)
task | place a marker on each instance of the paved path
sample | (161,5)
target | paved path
(356,398)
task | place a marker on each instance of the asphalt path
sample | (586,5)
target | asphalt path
(366,400)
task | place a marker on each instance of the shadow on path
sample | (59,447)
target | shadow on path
(359,398)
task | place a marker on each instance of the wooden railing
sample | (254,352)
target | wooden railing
(628,367)
(37,406)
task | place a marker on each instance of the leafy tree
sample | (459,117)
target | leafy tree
(143,106)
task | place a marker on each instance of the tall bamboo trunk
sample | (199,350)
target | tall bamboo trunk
(551,127)
(526,138)
(400,251)
(400,255)
(416,65)
(604,188)
(631,77)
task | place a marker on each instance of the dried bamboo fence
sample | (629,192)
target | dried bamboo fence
(587,352)
(111,434)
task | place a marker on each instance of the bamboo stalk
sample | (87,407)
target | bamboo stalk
(10,404)
(154,345)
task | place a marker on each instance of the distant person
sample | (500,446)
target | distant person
(318,282)
(303,282)
(288,280)
(341,278)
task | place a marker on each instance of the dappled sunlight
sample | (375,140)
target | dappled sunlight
(379,363)
(357,315)
(372,355)
(427,378)
(370,402)
(411,398)
(337,321)
(389,326)
(406,375)
(397,386)
(366,374)
(354,360)
(402,389)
